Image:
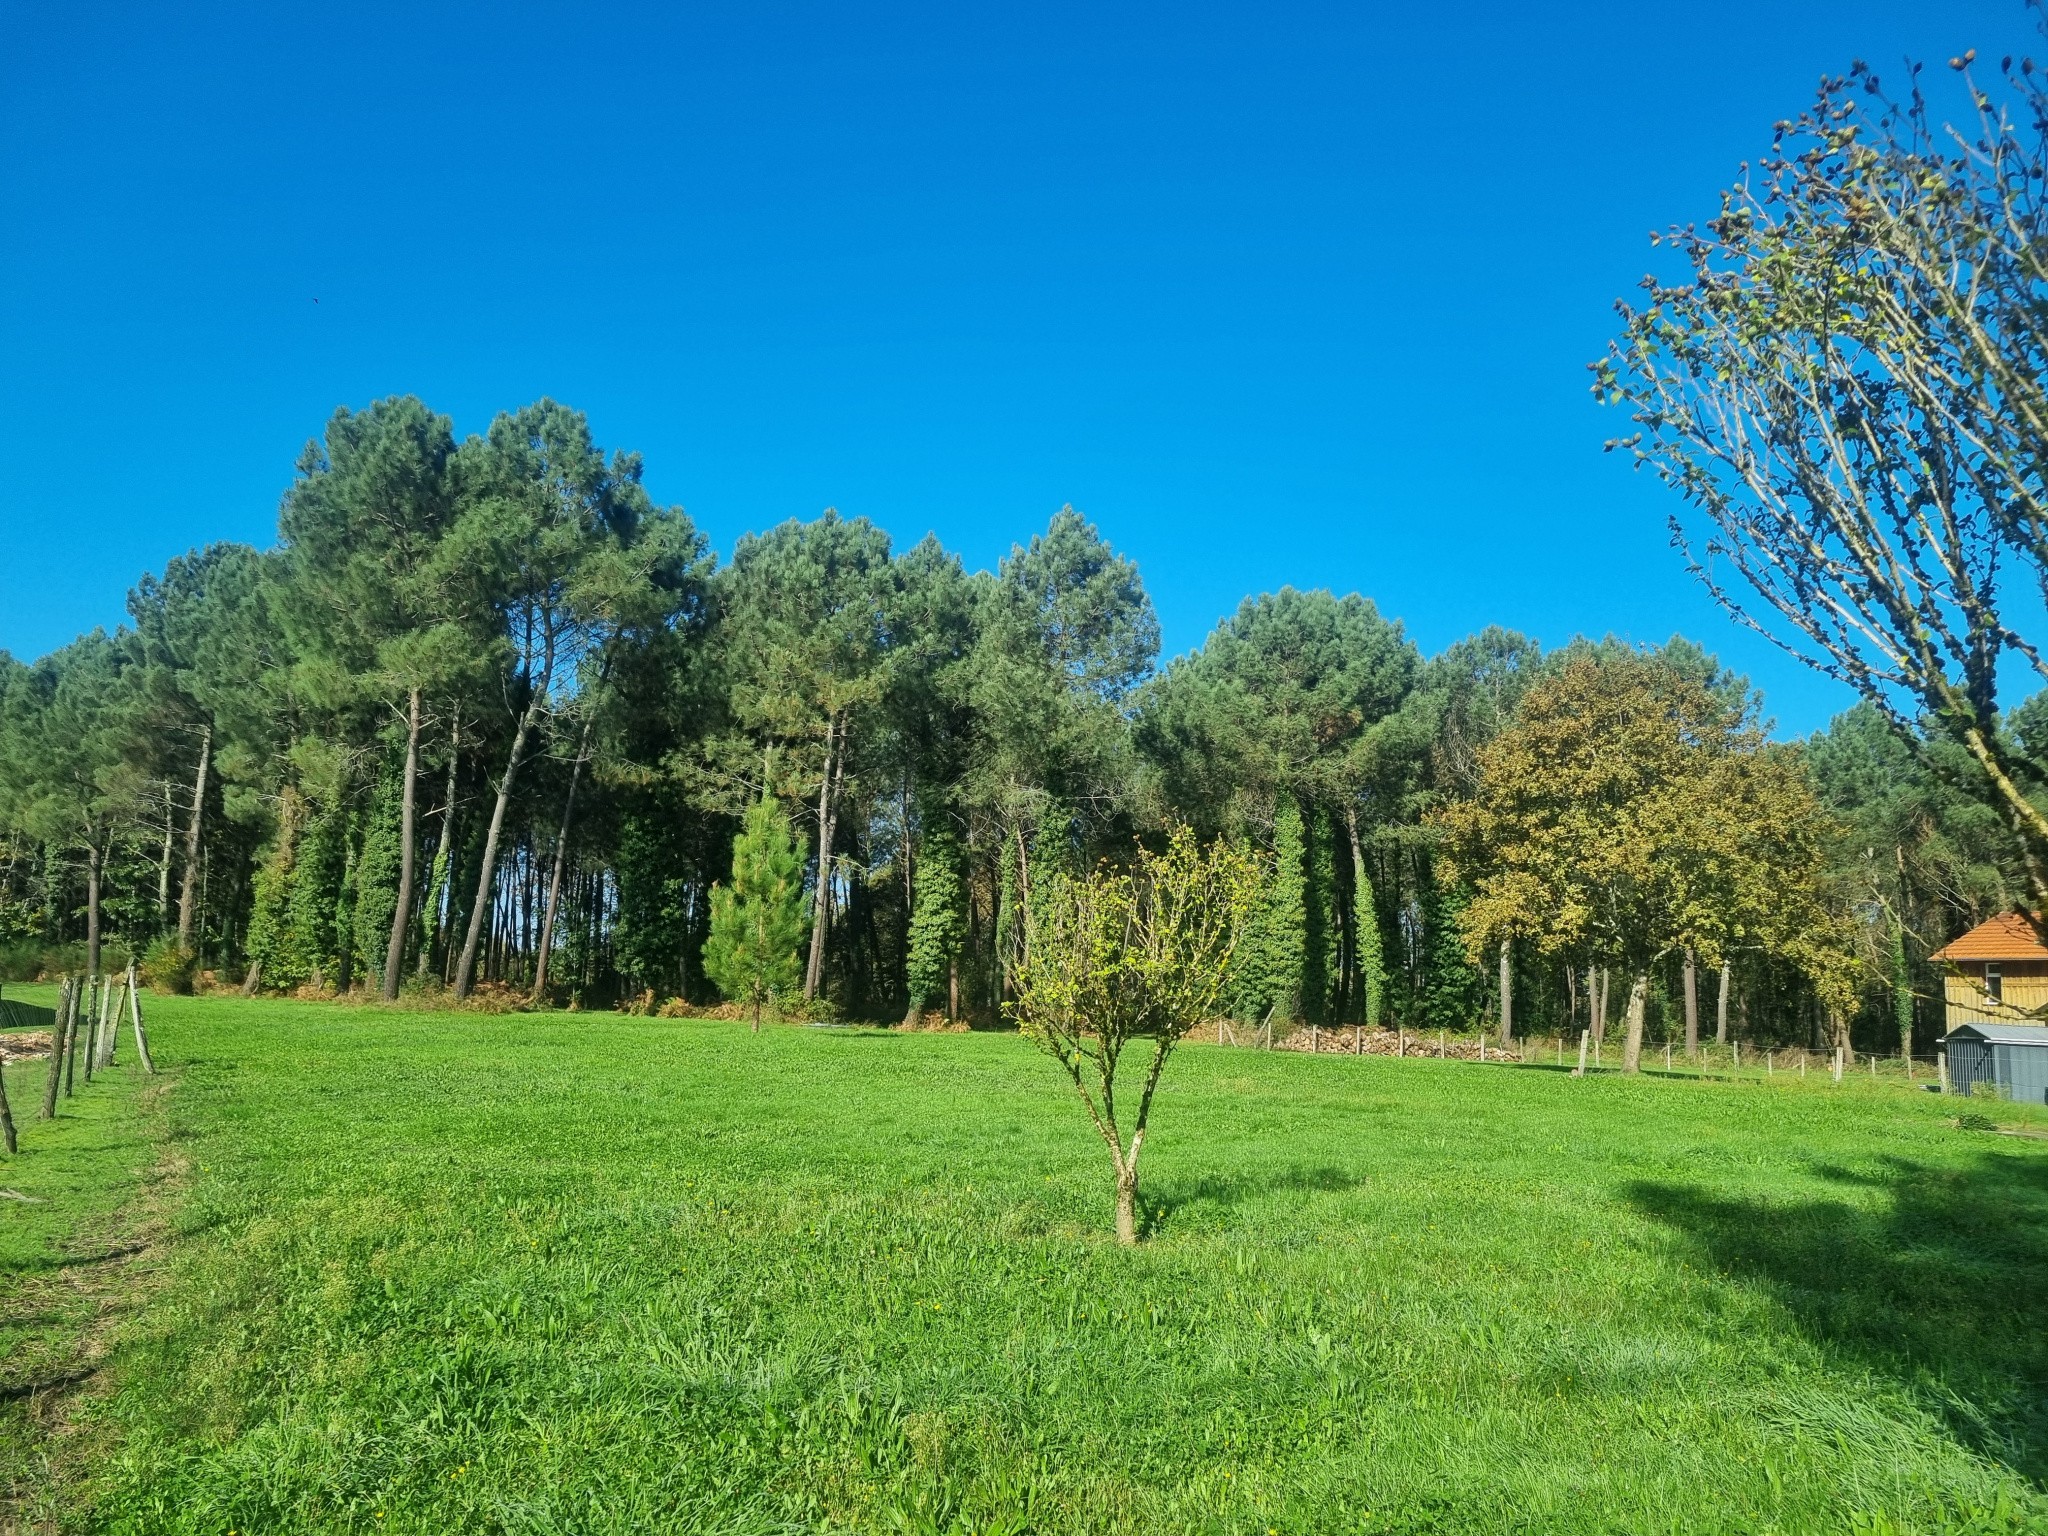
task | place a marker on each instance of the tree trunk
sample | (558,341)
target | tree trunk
(163,863)
(1126,1205)
(6,1115)
(828,810)
(1507,993)
(253,979)
(188,908)
(1023,898)
(1632,1049)
(92,1025)
(1721,1008)
(92,910)
(1902,988)
(441,899)
(547,926)
(394,948)
(1692,1004)
(465,970)
(1599,984)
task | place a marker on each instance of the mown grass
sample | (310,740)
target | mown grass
(596,1274)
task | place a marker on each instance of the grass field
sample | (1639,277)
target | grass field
(429,1273)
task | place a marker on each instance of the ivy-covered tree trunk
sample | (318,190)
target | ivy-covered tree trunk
(1365,919)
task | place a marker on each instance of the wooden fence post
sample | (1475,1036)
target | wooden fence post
(135,1017)
(71,1037)
(92,1025)
(55,1080)
(6,1114)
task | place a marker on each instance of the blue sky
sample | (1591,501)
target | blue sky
(1272,293)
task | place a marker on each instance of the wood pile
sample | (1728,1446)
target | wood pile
(1345,1040)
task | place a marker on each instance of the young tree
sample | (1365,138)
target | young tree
(757,921)
(1122,956)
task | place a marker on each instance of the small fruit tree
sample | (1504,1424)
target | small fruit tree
(757,921)
(1124,955)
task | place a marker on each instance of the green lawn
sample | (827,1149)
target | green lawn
(588,1273)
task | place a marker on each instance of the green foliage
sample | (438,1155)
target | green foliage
(1123,955)
(374,883)
(654,865)
(757,920)
(1372,952)
(1453,989)
(165,967)
(1268,968)
(938,925)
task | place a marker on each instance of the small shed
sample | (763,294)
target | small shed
(1997,973)
(2012,1057)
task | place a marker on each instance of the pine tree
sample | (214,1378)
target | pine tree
(938,925)
(757,921)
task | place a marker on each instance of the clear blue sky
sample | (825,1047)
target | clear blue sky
(1272,293)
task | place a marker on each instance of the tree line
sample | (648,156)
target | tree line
(488,717)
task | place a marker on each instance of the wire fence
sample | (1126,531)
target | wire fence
(1731,1060)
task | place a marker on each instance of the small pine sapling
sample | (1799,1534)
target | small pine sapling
(757,921)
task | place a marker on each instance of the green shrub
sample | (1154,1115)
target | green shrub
(168,968)
(30,960)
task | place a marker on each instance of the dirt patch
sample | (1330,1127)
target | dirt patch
(24,1045)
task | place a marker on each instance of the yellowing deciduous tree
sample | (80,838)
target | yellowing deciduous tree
(1632,812)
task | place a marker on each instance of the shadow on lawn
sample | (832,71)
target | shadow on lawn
(1204,1200)
(1943,1287)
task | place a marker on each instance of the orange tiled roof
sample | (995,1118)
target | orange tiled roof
(2007,937)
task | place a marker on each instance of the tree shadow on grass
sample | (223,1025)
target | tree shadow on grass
(1942,1286)
(1204,1201)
